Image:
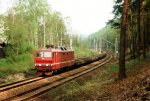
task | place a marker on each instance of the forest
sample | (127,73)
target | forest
(130,26)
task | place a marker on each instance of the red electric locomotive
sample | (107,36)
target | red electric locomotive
(49,60)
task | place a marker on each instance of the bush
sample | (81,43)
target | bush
(15,50)
(16,64)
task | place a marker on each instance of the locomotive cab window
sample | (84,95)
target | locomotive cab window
(47,54)
(39,54)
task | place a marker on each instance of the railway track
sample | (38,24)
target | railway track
(32,88)
(18,83)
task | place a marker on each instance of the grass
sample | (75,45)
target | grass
(79,90)
(16,64)
(114,68)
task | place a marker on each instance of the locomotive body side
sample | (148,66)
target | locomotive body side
(52,59)
(62,59)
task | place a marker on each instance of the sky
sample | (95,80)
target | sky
(86,16)
(4,4)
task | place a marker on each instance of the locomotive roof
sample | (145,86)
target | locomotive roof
(54,50)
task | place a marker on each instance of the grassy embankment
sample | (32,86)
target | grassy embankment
(16,64)
(89,87)
(25,62)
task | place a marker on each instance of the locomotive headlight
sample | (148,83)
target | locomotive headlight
(48,65)
(42,64)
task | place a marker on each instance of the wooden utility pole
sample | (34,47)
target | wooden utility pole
(122,70)
(94,44)
(100,46)
(71,41)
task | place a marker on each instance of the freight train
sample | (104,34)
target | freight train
(50,60)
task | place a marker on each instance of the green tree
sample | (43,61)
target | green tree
(32,23)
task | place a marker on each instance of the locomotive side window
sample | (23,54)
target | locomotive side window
(61,48)
(47,54)
(39,54)
(65,48)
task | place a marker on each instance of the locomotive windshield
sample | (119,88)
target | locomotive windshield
(47,54)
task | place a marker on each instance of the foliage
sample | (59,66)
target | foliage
(105,34)
(32,24)
(16,64)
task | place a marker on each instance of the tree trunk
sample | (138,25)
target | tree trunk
(129,40)
(133,35)
(147,29)
(143,30)
(122,70)
(138,29)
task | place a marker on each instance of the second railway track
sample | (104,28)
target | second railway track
(29,91)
